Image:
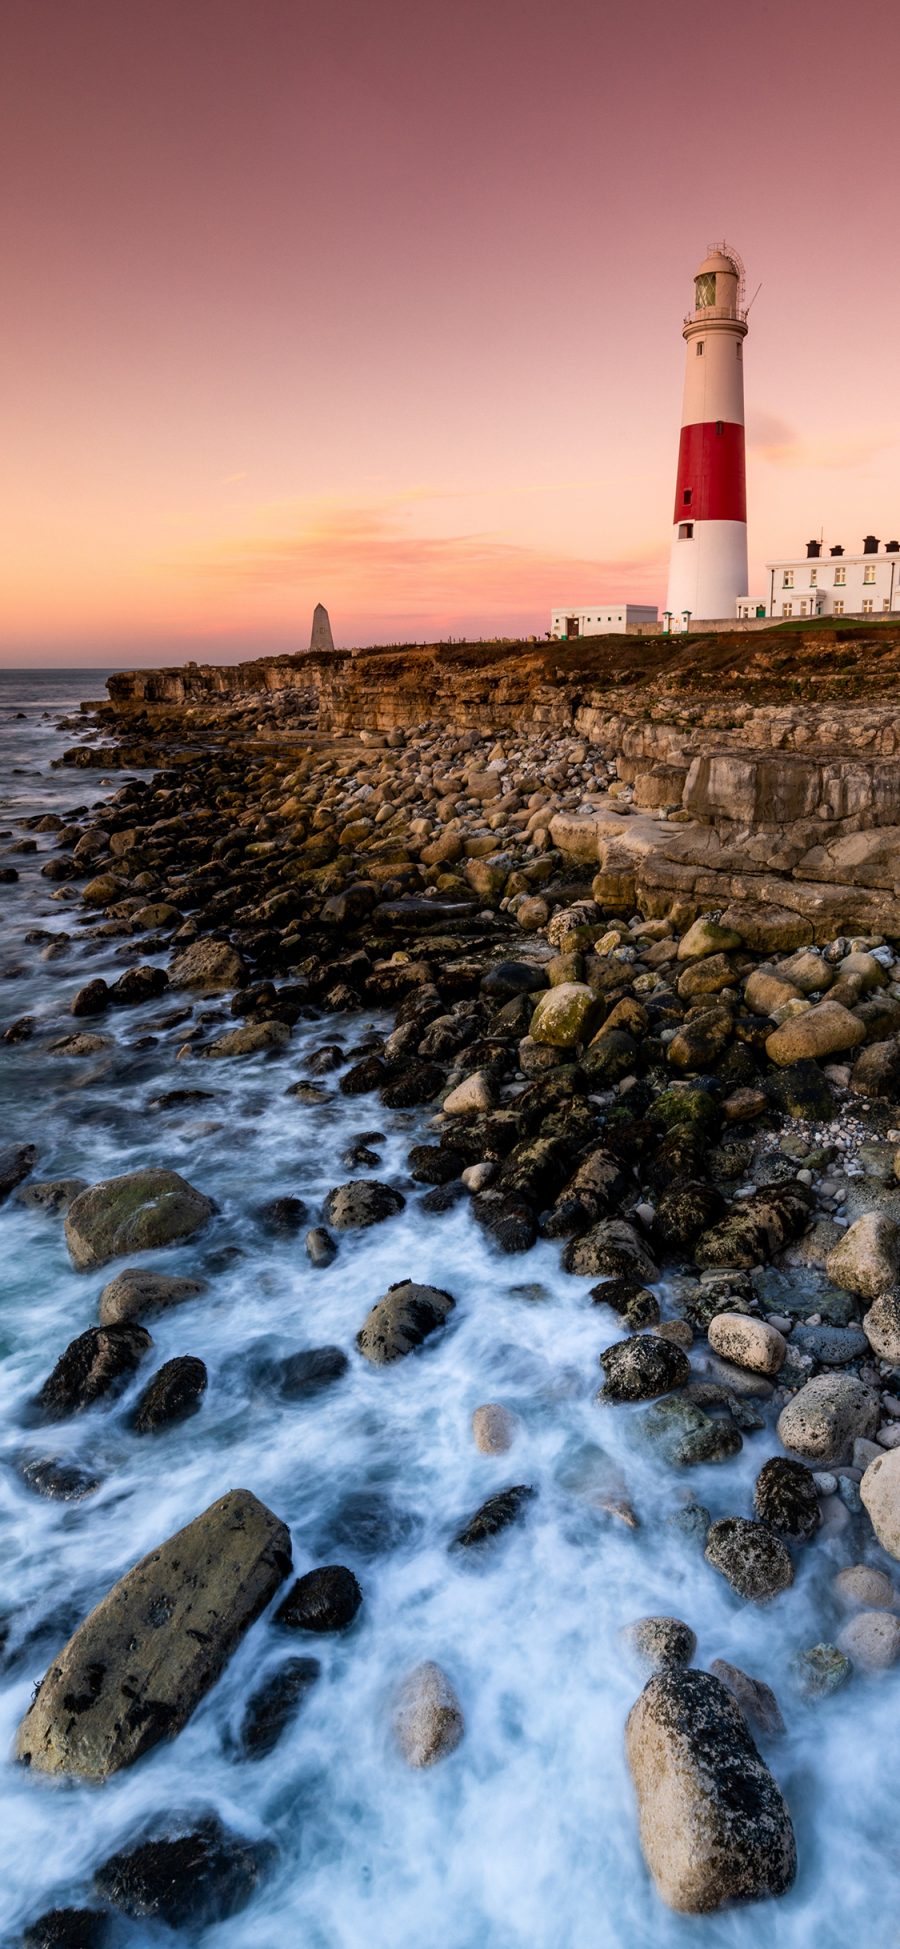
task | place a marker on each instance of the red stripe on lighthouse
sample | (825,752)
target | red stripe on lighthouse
(711,473)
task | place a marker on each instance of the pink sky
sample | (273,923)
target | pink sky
(378,304)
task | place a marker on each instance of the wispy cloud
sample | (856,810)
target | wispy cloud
(781,445)
(367,558)
(228,480)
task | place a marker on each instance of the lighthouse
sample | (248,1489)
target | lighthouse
(708,569)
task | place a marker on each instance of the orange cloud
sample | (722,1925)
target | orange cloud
(775,441)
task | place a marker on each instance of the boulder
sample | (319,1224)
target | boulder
(708,935)
(750,1557)
(867,1258)
(680,1432)
(50,1194)
(871,1640)
(859,1586)
(494,1428)
(824,1030)
(136,1294)
(298,1376)
(474,1093)
(400,1321)
(210,967)
(660,1641)
(880,1492)
(270,1709)
(174,1393)
(785,1497)
(428,1720)
(824,1418)
(362,1202)
(494,1515)
(189,1881)
(748,1342)
(613,1246)
(757,1700)
(139,1212)
(642,1367)
(714,1827)
(566,1015)
(756,1228)
(56,1480)
(253,1039)
(881,1326)
(139,1665)
(98,1362)
(16,1161)
(325,1599)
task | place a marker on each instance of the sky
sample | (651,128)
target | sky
(378,303)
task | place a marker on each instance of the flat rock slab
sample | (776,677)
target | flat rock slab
(137,1667)
(714,1826)
(138,1212)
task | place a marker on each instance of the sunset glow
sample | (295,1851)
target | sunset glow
(380,305)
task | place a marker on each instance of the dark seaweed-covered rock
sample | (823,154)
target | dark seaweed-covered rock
(494,1515)
(800,1091)
(635,1303)
(750,1557)
(68,1928)
(16,1161)
(507,979)
(138,1212)
(190,1881)
(507,1218)
(613,1246)
(594,1190)
(785,1497)
(365,1076)
(362,1202)
(96,1364)
(326,1599)
(270,1709)
(757,1227)
(420,1082)
(683,1435)
(642,1367)
(683,1212)
(434,1163)
(400,1321)
(174,1393)
(302,1374)
(282,1216)
(713,1824)
(321,1249)
(58,1481)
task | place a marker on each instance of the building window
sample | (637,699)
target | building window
(787,608)
(699,348)
(688,496)
(886,603)
(869,572)
(868,606)
(839,606)
(813,577)
(804,608)
(788,582)
(840,577)
(685,531)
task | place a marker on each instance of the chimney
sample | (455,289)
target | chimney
(871,544)
(892,547)
(813,548)
(836,551)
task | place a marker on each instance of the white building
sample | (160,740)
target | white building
(835,584)
(604,619)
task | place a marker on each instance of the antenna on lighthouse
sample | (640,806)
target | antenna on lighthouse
(754,298)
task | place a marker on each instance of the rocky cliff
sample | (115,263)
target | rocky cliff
(758,770)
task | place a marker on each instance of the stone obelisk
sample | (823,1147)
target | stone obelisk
(321,639)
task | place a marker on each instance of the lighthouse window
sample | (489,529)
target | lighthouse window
(720,427)
(685,531)
(688,493)
(705,288)
(699,348)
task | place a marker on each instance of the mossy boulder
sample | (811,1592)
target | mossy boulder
(566,1016)
(140,1212)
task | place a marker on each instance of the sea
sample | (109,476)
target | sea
(526,1837)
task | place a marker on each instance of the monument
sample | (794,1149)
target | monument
(321,638)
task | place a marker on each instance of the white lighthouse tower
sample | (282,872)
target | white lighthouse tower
(708,570)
